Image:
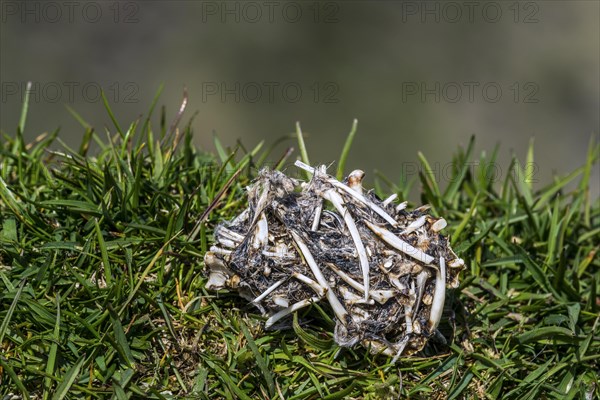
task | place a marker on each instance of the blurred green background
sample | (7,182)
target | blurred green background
(419,76)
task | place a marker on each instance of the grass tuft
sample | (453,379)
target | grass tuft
(102,290)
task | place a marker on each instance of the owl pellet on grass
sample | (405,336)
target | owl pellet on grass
(382,269)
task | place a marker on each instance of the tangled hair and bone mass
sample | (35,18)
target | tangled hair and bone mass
(382,269)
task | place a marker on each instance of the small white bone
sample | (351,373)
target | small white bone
(267,292)
(281,301)
(287,311)
(390,199)
(280,250)
(317,218)
(359,196)
(219,250)
(380,296)
(355,180)
(401,206)
(387,265)
(313,285)
(378,347)
(319,209)
(349,297)
(408,310)
(337,202)
(346,278)
(399,244)
(216,280)
(277,254)
(439,225)
(227,242)
(383,295)
(338,309)
(421,280)
(229,234)
(458,262)
(261,234)
(413,226)
(437,307)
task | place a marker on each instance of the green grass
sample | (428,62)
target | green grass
(101,280)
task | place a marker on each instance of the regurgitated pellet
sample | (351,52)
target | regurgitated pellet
(382,269)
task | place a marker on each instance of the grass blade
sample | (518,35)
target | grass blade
(104,254)
(24,108)
(53,350)
(345,151)
(11,310)
(14,377)
(111,114)
(260,361)
(302,147)
(65,385)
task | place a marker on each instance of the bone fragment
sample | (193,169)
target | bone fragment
(337,202)
(437,307)
(399,244)
(289,310)
(337,307)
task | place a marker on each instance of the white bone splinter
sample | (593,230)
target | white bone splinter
(219,250)
(320,290)
(439,225)
(399,244)
(413,226)
(421,281)
(317,219)
(229,234)
(338,309)
(261,236)
(268,291)
(389,199)
(437,306)
(319,209)
(287,311)
(337,202)
(381,296)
